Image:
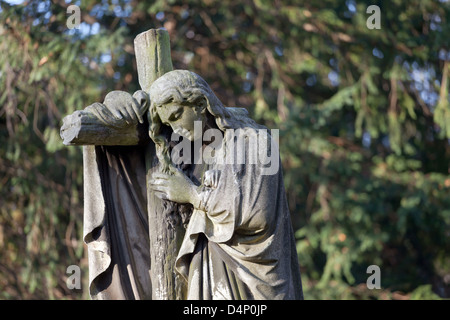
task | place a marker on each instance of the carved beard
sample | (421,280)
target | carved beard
(177,213)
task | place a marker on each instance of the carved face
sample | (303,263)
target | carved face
(181,118)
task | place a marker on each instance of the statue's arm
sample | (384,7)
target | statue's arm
(119,120)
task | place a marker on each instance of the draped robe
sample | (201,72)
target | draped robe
(116,222)
(238,245)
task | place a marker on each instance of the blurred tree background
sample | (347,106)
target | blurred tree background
(364,121)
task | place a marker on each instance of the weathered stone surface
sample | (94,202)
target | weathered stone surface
(109,123)
(161,228)
(152,49)
(84,128)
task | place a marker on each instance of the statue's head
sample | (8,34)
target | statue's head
(181,97)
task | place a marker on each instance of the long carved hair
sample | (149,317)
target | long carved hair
(183,86)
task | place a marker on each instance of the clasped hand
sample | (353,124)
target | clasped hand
(127,107)
(175,186)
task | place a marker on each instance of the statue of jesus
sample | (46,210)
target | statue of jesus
(239,242)
(162,222)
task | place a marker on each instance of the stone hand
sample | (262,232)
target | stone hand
(176,187)
(125,106)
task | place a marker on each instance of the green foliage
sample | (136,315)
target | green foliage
(363,114)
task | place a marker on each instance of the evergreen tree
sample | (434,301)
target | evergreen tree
(363,113)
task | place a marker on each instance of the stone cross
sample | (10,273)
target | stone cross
(238,242)
(84,127)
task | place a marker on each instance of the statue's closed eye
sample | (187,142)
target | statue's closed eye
(176,114)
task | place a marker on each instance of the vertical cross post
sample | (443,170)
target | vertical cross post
(153,59)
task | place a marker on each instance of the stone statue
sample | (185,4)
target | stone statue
(181,198)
